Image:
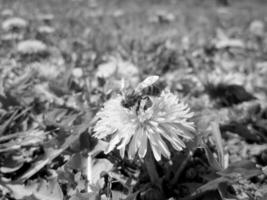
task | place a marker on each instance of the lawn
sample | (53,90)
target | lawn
(133,100)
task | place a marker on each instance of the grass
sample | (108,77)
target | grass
(205,53)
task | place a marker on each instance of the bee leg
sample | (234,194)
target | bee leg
(148,103)
(138,105)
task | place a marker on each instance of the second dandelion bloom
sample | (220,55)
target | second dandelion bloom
(165,121)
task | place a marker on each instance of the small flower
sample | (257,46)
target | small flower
(257,28)
(166,120)
(14,22)
(31,47)
(107,69)
(7,13)
(47,70)
(114,70)
(46,30)
(117,67)
(77,72)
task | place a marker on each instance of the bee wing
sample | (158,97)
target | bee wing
(146,83)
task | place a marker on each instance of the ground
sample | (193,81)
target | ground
(62,62)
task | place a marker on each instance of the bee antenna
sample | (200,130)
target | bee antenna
(123,86)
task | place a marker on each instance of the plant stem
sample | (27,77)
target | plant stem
(181,169)
(89,172)
(151,168)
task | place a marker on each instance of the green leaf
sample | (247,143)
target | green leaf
(211,159)
(211,185)
(51,153)
(245,168)
(219,144)
(40,189)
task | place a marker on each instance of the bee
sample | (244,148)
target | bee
(140,96)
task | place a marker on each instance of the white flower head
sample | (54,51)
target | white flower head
(107,69)
(77,72)
(167,119)
(257,28)
(47,70)
(14,22)
(46,30)
(7,13)
(115,66)
(31,47)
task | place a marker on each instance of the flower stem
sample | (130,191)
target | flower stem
(89,172)
(151,168)
(181,169)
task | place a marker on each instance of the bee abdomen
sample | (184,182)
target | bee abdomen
(154,90)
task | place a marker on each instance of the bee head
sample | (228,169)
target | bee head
(129,99)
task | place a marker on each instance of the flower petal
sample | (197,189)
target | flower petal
(162,147)
(143,145)
(133,144)
(155,150)
(112,144)
(172,137)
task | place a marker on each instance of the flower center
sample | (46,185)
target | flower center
(145,115)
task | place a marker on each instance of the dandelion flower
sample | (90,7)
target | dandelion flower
(46,30)
(47,70)
(257,28)
(49,67)
(31,47)
(168,119)
(127,69)
(107,69)
(77,72)
(14,22)
(117,67)
(7,13)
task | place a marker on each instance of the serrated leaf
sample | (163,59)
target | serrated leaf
(52,152)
